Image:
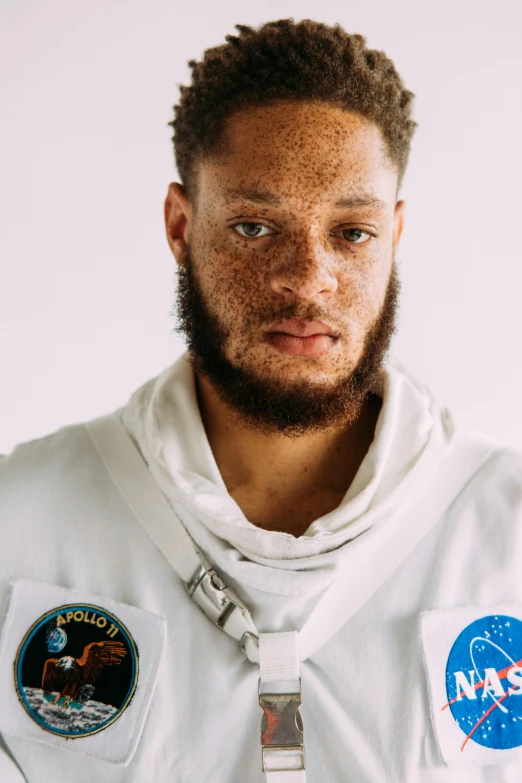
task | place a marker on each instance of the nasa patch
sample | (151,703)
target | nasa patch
(70,670)
(473,661)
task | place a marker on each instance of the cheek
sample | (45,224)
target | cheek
(359,300)
(228,275)
(360,292)
(229,285)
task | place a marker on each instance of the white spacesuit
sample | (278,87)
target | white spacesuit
(148,627)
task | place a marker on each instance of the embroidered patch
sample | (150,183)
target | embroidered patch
(473,659)
(483,677)
(70,675)
(76,670)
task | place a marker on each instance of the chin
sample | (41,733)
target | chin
(318,370)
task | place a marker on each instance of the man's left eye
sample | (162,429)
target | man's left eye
(252,227)
(355,231)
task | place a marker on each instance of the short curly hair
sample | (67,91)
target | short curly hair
(285,60)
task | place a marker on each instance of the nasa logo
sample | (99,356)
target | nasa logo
(484,682)
(76,670)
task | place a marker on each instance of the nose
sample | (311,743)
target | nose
(304,271)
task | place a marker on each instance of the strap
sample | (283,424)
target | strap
(391,543)
(395,541)
(282,743)
(278,656)
(129,472)
(286,776)
(282,746)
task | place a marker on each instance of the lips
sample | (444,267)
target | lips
(295,337)
(299,328)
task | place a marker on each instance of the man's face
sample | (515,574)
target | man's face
(268,240)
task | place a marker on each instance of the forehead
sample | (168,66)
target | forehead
(299,149)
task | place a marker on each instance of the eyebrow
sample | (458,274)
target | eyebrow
(345,202)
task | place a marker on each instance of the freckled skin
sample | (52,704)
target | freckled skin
(308,259)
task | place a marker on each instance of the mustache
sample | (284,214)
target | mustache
(300,312)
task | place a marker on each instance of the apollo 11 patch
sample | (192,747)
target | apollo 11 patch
(473,661)
(77,671)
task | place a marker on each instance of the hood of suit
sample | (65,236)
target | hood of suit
(413,433)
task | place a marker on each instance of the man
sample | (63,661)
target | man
(351,551)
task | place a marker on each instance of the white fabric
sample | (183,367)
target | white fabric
(128,472)
(365,708)
(295,776)
(412,433)
(9,771)
(287,776)
(278,656)
(279,653)
(144,498)
(423,508)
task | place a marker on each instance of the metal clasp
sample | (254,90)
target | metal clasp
(281,728)
(244,641)
(210,593)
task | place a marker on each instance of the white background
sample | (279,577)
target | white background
(87,280)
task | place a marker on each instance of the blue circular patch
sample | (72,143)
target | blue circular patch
(484,682)
(76,670)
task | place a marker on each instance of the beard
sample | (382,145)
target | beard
(275,405)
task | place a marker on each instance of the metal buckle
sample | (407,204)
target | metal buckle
(284,769)
(243,641)
(211,594)
(281,726)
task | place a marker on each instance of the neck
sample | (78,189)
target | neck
(284,483)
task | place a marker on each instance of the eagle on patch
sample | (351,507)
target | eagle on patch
(73,678)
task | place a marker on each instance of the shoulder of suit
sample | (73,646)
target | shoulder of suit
(504,463)
(497,484)
(55,453)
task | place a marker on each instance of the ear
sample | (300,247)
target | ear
(178,220)
(398,223)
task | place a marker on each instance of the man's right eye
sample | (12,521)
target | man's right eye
(251,229)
